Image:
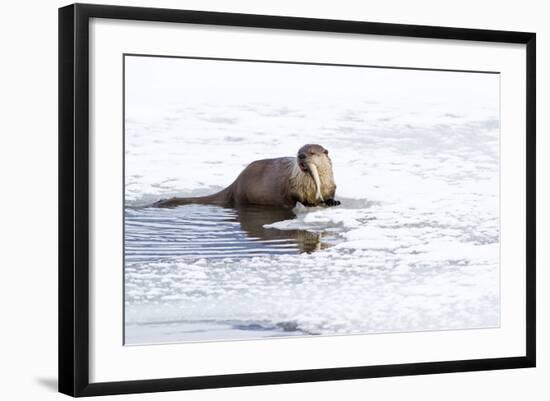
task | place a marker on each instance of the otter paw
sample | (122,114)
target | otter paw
(332,202)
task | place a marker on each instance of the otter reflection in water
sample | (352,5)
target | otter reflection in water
(253,219)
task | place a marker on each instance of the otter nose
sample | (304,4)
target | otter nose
(301,156)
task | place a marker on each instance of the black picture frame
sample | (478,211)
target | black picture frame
(74,199)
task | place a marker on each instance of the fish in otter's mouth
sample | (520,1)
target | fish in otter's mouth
(315,174)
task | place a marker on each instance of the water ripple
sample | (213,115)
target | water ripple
(203,231)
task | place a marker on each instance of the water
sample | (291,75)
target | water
(205,231)
(414,245)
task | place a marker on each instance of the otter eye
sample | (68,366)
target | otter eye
(325,152)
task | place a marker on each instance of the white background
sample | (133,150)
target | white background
(29,173)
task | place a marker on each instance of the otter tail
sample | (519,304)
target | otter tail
(222,198)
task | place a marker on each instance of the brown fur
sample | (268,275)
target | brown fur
(275,182)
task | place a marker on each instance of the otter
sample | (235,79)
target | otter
(279,182)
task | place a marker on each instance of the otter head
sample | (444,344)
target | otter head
(312,155)
(314,160)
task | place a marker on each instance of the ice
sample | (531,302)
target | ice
(413,246)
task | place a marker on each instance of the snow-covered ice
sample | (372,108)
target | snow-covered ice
(414,245)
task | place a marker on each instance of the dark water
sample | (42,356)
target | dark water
(207,231)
